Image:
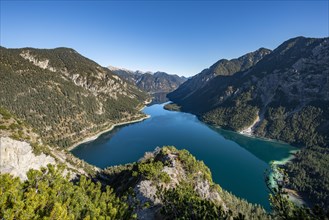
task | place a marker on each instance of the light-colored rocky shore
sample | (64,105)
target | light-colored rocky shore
(93,137)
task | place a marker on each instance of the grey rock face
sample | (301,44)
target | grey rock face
(17,157)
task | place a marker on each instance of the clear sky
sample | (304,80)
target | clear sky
(178,37)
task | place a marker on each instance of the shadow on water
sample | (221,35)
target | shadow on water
(271,151)
(103,138)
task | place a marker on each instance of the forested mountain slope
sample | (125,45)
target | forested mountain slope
(223,67)
(64,95)
(289,82)
(285,96)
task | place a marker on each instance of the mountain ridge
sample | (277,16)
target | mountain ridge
(157,84)
(70,95)
(223,67)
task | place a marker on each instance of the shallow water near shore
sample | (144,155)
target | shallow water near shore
(237,162)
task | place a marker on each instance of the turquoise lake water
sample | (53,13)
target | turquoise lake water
(237,162)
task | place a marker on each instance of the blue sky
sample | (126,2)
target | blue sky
(179,37)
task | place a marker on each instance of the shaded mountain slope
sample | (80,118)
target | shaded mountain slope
(186,92)
(294,76)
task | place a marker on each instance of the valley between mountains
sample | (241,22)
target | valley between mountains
(53,99)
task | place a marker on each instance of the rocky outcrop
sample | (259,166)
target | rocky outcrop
(179,168)
(166,176)
(17,157)
(44,64)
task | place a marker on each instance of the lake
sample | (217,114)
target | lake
(237,162)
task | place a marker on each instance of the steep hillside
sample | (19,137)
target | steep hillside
(158,84)
(285,96)
(64,95)
(290,81)
(222,67)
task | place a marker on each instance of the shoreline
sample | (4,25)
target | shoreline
(284,161)
(292,195)
(248,131)
(252,135)
(95,136)
(278,163)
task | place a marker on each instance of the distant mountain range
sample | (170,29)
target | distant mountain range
(281,94)
(157,84)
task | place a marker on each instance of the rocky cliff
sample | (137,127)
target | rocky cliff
(21,149)
(17,157)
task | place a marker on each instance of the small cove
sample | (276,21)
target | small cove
(237,162)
